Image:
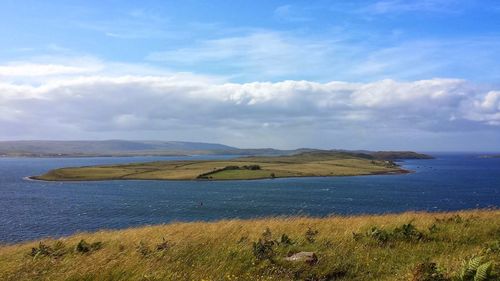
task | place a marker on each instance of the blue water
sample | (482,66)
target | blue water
(34,209)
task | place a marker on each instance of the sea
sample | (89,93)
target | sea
(36,209)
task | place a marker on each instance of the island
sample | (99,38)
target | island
(306,164)
(490,156)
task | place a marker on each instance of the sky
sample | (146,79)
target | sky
(379,74)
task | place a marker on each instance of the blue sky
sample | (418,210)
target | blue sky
(382,56)
(352,40)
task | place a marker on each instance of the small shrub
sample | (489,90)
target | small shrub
(84,247)
(267,234)
(56,251)
(285,240)
(264,248)
(407,232)
(380,235)
(41,250)
(427,271)
(163,246)
(311,235)
(59,249)
(357,236)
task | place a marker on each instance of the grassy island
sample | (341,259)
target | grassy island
(410,246)
(307,164)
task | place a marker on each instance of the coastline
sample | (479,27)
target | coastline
(399,172)
(317,164)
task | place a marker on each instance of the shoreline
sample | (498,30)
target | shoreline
(258,218)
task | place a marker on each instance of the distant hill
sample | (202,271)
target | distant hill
(394,155)
(38,148)
(374,155)
(106,148)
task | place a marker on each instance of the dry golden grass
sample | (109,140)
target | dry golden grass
(284,166)
(223,250)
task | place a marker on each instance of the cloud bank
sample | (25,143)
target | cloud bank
(280,114)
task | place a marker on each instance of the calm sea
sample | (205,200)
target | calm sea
(34,209)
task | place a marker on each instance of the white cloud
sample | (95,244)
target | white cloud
(486,109)
(187,106)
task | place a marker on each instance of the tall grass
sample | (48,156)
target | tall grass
(383,247)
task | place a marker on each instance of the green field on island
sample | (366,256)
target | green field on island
(307,164)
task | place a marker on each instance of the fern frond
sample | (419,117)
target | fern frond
(463,270)
(483,272)
(474,263)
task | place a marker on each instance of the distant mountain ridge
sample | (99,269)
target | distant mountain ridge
(85,148)
(105,148)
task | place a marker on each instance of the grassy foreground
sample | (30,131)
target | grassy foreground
(301,165)
(409,246)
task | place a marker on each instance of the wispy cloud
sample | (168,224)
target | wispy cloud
(266,55)
(258,55)
(291,14)
(402,6)
(420,58)
(135,24)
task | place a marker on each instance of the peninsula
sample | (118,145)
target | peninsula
(318,163)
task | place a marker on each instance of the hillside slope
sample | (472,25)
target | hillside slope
(407,246)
